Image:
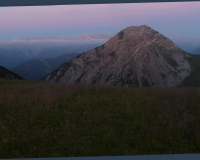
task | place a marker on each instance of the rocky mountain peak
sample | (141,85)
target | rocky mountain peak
(136,56)
(140,36)
(138,29)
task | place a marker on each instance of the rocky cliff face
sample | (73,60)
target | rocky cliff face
(136,56)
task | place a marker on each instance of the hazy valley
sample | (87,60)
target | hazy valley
(12,53)
(37,69)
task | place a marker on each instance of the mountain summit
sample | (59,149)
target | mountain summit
(136,56)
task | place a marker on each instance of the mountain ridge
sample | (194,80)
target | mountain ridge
(135,56)
(7,74)
(80,37)
(36,69)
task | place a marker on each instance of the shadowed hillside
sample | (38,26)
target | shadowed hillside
(5,73)
(38,68)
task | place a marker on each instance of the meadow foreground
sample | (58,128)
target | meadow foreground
(39,119)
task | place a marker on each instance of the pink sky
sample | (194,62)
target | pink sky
(70,18)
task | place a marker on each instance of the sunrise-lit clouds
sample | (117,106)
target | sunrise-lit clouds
(72,20)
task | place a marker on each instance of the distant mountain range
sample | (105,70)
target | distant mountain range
(187,44)
(12,53)
(81,37)
(136,56)
(7,74)
(38,68)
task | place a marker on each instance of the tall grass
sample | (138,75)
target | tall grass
(40,119)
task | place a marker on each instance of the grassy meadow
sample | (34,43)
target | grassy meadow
(39,119)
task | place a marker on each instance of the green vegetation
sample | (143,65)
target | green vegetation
(40,119)
(194,78)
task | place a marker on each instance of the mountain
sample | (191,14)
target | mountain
(55,51)
(38,38)
(38,68)
(95,36)
(5,73)
(31,38)
(136,56)
(194,78)
(12,53)
(11,57)
(51,38)
(80,37)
